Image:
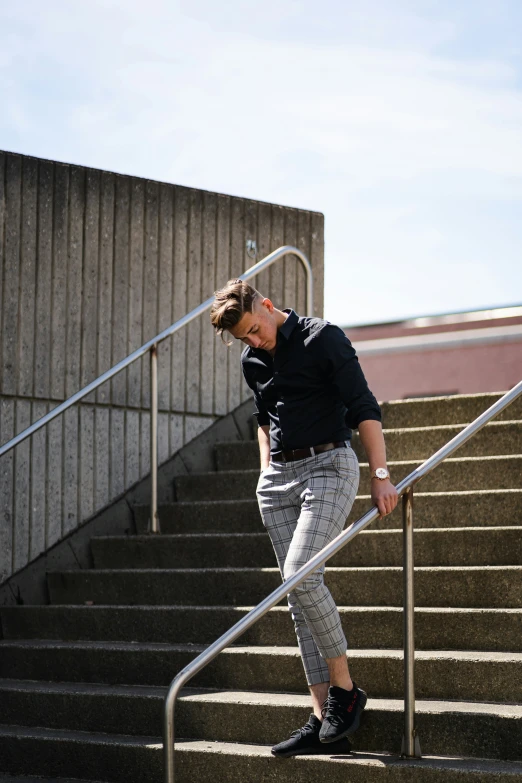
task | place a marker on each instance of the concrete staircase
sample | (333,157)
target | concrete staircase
(83,679)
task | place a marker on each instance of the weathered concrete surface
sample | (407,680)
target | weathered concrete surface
(453,409)
(459,473)
(29,586)
(401,444)
(86,240)
(367,626)
(433,547)
(25,779)
(444,674)
(140,759)
(254,763)
(498,586)
(498,437)
(469,728)
(466,508)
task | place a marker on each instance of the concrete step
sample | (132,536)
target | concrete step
(113,709)
(25,779)
(140,760)
(465,586)
(496,438)
(462,473)
(503,437)
(439,674)
(470,508)
(433,547)
(51,752)
(451,409)
(367,626)
(455,727)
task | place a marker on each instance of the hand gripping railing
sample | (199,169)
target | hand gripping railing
(152,346)
(410,746)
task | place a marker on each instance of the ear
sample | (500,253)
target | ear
(266,302)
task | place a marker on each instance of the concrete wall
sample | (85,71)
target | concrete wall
(93,265)
(127,515)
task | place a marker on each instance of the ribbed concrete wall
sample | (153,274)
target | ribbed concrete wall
(93,265)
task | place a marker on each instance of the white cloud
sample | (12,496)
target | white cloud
(369,123)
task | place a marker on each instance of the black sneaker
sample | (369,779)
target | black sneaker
(306,741)
(341,713)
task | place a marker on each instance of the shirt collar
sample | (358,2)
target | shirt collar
(287,328)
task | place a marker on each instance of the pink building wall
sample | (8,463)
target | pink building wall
(486,362)
(486,368)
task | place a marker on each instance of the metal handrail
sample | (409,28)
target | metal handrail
(152,346)
(411,746)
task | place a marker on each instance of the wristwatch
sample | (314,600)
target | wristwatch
(380,473)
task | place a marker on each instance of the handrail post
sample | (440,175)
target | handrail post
(410,741)
(169,707)
(154,520)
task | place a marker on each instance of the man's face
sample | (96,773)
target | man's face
(257,329)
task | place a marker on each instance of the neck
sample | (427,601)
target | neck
(280,317)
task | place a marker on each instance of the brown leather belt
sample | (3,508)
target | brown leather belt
(294,454)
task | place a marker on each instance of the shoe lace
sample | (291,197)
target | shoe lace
(303,731)
(331,709)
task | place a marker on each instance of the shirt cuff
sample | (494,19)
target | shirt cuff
(367,416)
(263,419)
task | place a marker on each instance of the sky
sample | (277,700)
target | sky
(400,120)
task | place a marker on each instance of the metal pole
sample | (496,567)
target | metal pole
(154,520)
(410,742)
(168,734)
(309,292)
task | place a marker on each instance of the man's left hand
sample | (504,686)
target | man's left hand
(384,496)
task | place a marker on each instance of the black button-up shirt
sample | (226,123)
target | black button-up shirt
(313,389)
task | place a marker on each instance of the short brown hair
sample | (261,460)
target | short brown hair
(231,302)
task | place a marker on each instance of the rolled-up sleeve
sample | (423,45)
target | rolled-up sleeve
(345,373)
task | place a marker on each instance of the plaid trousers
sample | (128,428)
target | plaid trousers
(304,505)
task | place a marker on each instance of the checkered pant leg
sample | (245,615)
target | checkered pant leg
(304,506)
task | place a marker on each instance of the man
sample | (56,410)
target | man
(309,392)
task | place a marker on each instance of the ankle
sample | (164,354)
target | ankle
(318,692)
(344,683)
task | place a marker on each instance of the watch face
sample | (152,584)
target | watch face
(381,473)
